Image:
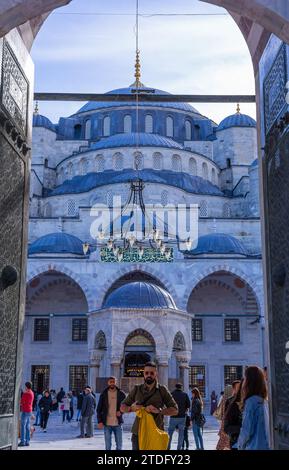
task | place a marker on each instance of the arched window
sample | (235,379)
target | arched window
(46,162)
(214,179)
(226,210)
(109,198)
(118,161)
(176,163)
(70,170)
(203,209)
(47,210)
(71,207)
(99,163)
(61,175)
(77,131)
(88,129)
(127,124)
(83,166)
(164,198)
(197,132)
(188,129)
(170,126)
(106,126)
(157,161)
(138,161)
(149,124)
(100,340)
(205,171)
(193,167)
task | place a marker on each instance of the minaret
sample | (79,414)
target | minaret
(36,109)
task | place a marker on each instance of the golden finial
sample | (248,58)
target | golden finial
(137,83)
(36,109)
(238,109)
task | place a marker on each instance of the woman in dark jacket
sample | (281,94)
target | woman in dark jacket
(45,405)
(197,418)
(233,418)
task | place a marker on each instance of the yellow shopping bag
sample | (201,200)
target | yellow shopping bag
(150,437)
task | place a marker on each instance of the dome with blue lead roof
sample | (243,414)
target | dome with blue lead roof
(139,295)
(56,243)
(96,105)
(134,139)
(236,120)
(42,121)
(219,243)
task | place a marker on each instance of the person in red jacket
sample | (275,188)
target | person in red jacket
(26,404)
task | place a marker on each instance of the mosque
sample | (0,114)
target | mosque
(95,309)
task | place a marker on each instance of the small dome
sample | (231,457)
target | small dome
(42,121)
(95,105)
(139,295)
(136,139)
(56,243)
(219,243)
(237,120)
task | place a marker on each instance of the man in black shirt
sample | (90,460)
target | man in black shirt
(179,421)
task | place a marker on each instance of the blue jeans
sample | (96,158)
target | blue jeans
(117,431)
(37,419)
(180,422)
(197,430)
(25,427)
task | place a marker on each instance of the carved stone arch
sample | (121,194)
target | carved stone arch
(100,341)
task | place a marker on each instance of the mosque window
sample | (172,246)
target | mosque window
(100,340)
(197,378)
(46,162)
(77,131)
(106,126)
(61,175)
(188,130)
(214,176)
(118,161)
(164,198)
(193,167)
(157,161)
(138,161)
(71,207)
(83,164)
(79,329)
(231,329)
(99,164)
(109,198)
(197,132)
(40,377)
(205,171)
(127,124)
(197,329)
(226,210)
(232,373)
(149,124)
(169,126)
(228,163)
(88,129)
(176,163)
(41,329)
(203,209)
(47,210)
(78,377)
(70,169)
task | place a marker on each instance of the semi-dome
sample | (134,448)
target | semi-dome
(139,295)
(236,120)
(56,243)
(189,183)
(96,105)
(42,121)
(219,243)
(134,139)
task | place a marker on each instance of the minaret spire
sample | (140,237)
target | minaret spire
(137,83)
(238,108)
(36,109)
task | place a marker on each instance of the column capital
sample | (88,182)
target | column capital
(95,357)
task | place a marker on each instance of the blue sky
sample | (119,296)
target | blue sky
(89,46)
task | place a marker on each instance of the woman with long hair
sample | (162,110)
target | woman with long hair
(254,434)
(197,418)
(224,440)
(233,416)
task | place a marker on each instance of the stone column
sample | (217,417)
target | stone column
(183,365)
(163,370)
(115,367)
(94,366)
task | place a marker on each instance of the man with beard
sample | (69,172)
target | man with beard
(109,416)
(155,398)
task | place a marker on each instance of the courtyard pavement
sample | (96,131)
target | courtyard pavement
(64,437)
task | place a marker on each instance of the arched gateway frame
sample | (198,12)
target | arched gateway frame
(257,19)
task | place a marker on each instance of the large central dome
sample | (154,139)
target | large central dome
(96,105)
